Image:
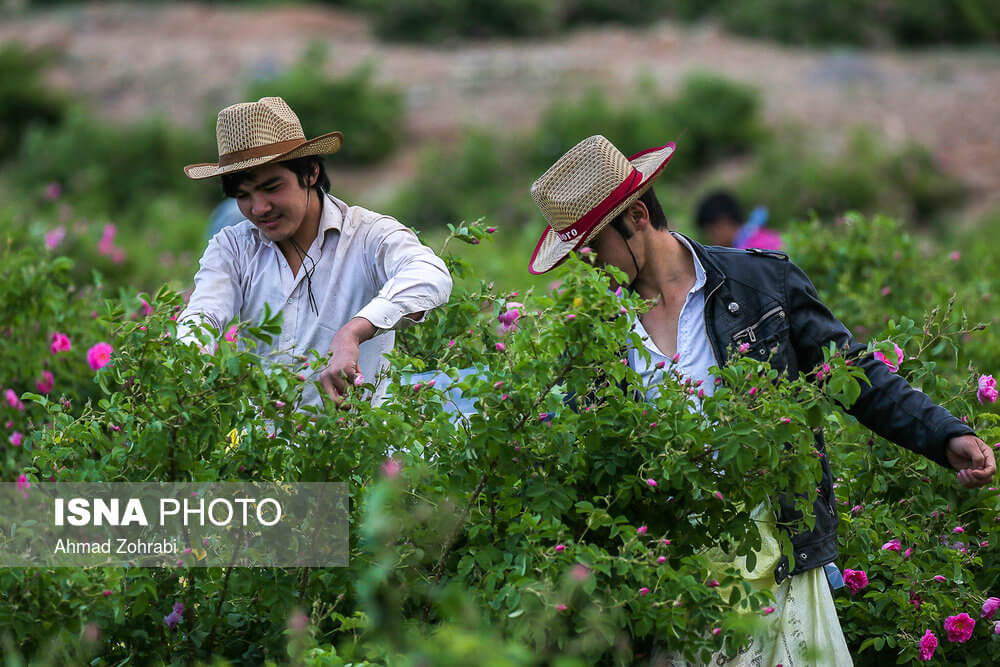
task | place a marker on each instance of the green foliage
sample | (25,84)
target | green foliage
(457,556)
(369,115)
(112,168)
(435,20)
(25,101)
(793,181)
(710,117)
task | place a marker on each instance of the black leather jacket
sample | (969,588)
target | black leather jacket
(761,298)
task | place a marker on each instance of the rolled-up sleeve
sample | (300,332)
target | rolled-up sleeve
(412,278)
(217,294)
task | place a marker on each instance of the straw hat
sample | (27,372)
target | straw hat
(250,134)
(585,190)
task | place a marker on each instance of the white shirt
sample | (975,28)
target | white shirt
(366,265)
(695,355)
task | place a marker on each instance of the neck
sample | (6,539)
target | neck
(307,231)
(667,265)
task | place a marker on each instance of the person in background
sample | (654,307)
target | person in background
(710,303)
(342,277)
(720,218)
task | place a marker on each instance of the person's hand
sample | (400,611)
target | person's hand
(973,459)
(342,369)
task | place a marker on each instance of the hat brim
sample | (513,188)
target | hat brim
(322,145)
(552,251)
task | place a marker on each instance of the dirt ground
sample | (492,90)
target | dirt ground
(184,61)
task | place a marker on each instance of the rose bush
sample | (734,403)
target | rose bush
(562,522)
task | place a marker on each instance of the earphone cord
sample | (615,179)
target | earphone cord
(303,256)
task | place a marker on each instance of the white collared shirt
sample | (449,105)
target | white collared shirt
(695,355)
(366,265)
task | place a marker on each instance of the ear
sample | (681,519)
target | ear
(314,176)
(638,215)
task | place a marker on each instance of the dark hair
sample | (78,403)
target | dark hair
(302,167)
(717,206)
(656,217)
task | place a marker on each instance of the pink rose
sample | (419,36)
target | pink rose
(892,366)
(99,355)
(359,380)
(231,333)
(959,627)
(744,348)
(561,607)
(767,611)
(560,547)
(46,383)
(643,591)
(940,579)
(16,438)
(54,237)
(641,530)
(23,485)
(651,482)
(908,552)
(928,644)
(580,572)
(958,530)
(391,468)
(713,583)
(13,400)
(855,580)
(508,319)
(501,347)
(892,545)
(661,560)
(990,607)
(987,389)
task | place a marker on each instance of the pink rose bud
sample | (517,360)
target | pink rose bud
(718,494)
(939,578)
(908,552)
(753,390)
(497,384)
(501,347)
(716,631)
(359,380)
(560,547)
(490,230)
(767,611)
(651,482)
(571,316)
(744,348)
(451,343)
(661,560)
(279,404)
(676,358)
(665,542)
(958,530)
(712,583)
(643,591)
(786,420)
(561,607)
(641,530)
(505,397)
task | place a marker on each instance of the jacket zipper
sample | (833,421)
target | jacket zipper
(751,330)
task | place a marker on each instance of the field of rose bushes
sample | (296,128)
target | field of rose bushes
(531,532)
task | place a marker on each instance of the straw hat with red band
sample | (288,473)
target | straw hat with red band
(585,190)
(251,134)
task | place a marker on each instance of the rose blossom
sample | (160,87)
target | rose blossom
(892,545)
(893,367)
(13,400)
(99,355)
(987,389)
(855,580)
(959,627)
(928,644)
(990,607)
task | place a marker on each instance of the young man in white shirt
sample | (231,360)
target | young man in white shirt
(342,277)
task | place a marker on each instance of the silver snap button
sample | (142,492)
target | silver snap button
(804,556)
(734,307)
(781,315)
(762,352)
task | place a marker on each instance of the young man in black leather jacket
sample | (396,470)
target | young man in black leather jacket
(710,301)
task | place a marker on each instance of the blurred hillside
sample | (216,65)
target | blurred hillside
(120,96)
(184,62)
